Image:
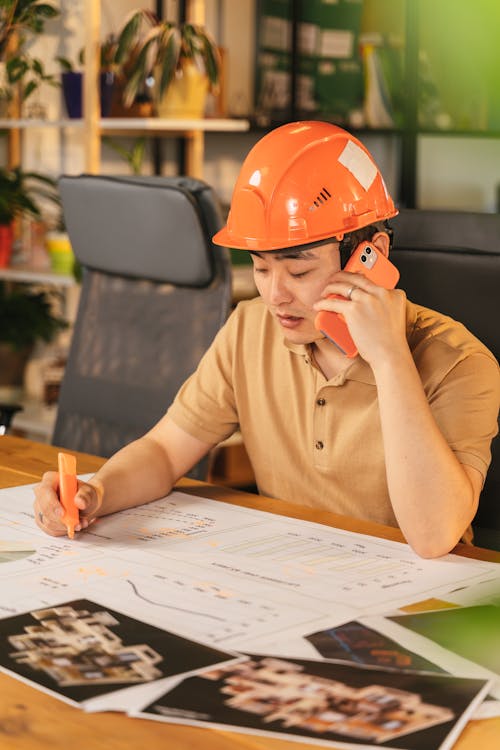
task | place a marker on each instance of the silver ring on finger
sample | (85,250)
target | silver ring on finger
(350,291)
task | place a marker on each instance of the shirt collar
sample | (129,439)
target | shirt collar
(359,370)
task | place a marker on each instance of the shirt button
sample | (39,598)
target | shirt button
(321,402)
(319,445)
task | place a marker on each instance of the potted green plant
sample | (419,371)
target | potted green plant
(27,316)
(19,20)
(182,59)
(19,193)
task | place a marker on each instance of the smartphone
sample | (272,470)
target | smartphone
(372,263)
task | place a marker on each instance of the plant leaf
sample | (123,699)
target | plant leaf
(46,11)
(16,69)
(65,64)
(29,88)
(211,57)
(169,59)
(129,35)
(37,66)
(142,67)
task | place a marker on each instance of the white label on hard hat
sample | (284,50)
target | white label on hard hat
(359,164)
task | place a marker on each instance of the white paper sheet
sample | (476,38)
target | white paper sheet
(487,710)
(224,556)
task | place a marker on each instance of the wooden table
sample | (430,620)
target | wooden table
(32,720)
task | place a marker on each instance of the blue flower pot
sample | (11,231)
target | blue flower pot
(72,85)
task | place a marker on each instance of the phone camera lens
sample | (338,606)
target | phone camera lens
(368,250)
(363,258)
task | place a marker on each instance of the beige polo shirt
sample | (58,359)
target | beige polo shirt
(318,442)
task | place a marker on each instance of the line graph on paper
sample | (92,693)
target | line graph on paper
(213,609)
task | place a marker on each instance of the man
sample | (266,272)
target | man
(399,434)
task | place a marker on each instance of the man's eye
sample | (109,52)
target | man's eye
(299,275)
(260,270)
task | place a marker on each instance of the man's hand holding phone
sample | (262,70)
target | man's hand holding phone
(354,306)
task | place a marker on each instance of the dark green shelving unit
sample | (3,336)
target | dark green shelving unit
(451,35)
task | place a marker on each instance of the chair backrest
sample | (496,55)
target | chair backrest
(155,291)
(450,261)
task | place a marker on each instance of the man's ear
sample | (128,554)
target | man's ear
(382,242)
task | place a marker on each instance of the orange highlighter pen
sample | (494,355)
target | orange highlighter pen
(67,490)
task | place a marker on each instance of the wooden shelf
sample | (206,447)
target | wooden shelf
(28,122)
(135,124)
(30,275)
(166,125)
(457,133)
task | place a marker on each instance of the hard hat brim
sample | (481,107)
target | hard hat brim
(224,238)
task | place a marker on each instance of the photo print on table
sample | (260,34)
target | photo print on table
(325,702)
(79,649)
(356,643)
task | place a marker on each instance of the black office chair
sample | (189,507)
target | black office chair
(450,261)
(154,293)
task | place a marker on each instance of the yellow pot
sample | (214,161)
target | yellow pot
(186,95)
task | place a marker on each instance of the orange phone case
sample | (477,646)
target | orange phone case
(376,267)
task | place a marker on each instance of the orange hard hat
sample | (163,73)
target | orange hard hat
(304,182)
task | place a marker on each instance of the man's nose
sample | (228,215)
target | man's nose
(279,289)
